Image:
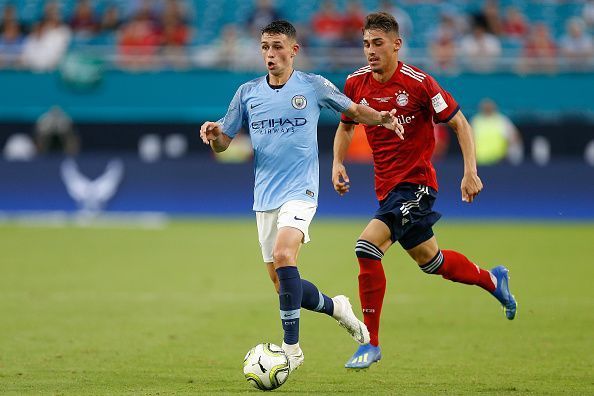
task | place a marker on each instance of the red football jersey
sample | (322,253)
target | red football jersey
(419,100)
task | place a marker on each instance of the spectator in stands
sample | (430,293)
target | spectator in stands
(139,41)
(404,20)
(235,50)
(489,17)
(327,24)
(450,26)
(264,12)
(540,51)
(514,24)
(173,9)
(495,136)
(443,51)
(480,49)
(175,36)
(353,21)
(354,17)
(55,130)
(84,24)
(576,46)
(11,44)
(110,20)
(48,41)
(9,17)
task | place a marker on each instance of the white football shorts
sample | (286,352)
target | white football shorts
(296,214)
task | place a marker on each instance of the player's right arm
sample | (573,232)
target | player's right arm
(342,141)
(212,133)
(219,134)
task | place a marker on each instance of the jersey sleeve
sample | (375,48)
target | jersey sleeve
(329,96)
(348,91)
(441,104)
(233,121)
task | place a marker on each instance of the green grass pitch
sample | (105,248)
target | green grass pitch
(171,311)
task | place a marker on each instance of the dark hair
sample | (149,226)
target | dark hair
(281,27)
(381,21)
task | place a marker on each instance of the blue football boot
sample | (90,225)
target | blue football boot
(365,356)
(502,293)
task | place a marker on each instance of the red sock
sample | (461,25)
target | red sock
(372,287)
(456,267)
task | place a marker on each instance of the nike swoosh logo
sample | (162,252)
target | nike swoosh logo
(255,105)
(297,218)
(287,315)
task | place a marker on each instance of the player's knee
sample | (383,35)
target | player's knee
(283,257)
(433,265)
(367,250)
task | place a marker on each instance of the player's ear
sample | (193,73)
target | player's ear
(397,44)
(295,50)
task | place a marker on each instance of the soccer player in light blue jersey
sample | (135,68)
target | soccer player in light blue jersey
(281,112)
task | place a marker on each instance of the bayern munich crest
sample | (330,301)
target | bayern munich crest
(299,102)
(402,98)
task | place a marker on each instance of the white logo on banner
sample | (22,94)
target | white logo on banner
(92,195)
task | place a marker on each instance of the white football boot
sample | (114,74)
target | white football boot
(343,313)
(295,355)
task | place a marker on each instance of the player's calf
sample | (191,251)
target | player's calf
(456,267)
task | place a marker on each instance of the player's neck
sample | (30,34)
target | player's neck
(281,79)
(386,74)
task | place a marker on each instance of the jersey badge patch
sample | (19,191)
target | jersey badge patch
(401,98)
(299,102)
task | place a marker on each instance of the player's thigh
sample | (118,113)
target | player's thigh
(294,218)
(297,214)
(267,232)
(378,233)
(425,251)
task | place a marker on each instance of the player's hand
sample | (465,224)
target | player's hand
(209,131)
(390,121)
(340,179)
(471,186)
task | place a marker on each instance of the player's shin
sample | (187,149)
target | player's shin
(372,286)
(290,295)
(456,267)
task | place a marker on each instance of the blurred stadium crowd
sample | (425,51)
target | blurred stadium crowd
(546,36)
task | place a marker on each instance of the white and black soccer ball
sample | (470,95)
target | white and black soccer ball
(266,366)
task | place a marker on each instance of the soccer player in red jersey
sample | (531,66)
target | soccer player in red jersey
(405,180)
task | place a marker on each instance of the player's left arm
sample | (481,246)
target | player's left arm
(366,115)
(329,96)
(471,184)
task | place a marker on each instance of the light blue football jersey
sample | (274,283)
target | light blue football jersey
(283,123)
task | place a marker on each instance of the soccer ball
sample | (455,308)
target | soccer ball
(266,366)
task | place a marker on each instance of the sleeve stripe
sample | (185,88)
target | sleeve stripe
(403,71)
(453,114)
(410,69)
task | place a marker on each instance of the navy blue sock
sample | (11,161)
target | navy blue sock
(314,300)
(290,295)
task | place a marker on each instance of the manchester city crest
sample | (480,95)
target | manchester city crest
(299,102)
(402,98)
